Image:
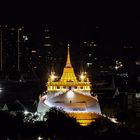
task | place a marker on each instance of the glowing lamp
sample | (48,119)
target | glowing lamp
(70,94)
(26,112)
(52,77)
(82,77)
(40,138)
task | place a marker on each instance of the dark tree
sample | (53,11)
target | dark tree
(59,124)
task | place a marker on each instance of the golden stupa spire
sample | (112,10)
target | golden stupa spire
(68,63)
(68,72)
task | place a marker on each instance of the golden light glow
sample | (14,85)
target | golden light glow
(82,77)
(52,76)
(85,118)
(85,122)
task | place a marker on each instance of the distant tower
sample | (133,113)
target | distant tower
(47,49)
(18,49)
(13,52)
(45,53)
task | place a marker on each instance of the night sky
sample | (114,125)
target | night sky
(116,23)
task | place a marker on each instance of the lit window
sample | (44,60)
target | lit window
(89,54)
(89,64)
(137,95)
(33,51)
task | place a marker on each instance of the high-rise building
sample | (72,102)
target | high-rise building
(133,103)
(44,57)
(129,61)
(14,50)
(47,48)
(99,65)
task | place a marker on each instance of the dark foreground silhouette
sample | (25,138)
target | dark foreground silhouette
(59,126)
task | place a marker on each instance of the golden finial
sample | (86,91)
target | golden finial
(68,63)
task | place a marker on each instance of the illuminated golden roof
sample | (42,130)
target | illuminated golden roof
(68,72)
(68,79)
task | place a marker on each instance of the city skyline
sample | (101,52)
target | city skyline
(120,20)
(111,29)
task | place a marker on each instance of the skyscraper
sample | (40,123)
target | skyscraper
(13,50)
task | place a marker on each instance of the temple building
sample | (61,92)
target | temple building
(71,94)
(68,80)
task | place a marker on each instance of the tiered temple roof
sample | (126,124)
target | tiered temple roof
(68,79)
